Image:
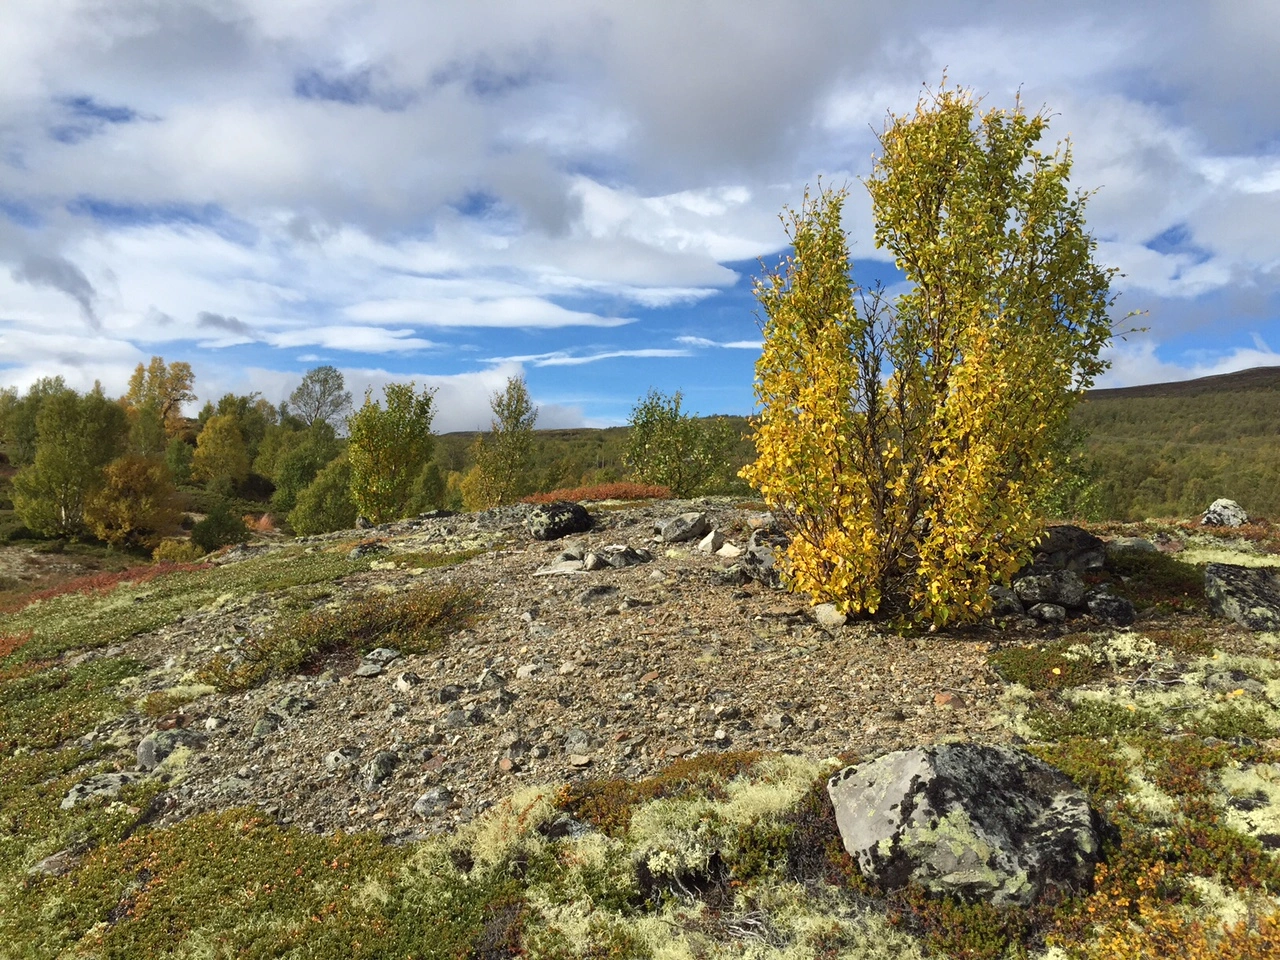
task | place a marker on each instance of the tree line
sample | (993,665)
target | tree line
(125,470)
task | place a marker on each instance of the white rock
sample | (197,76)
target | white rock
(712,542)
(729,551)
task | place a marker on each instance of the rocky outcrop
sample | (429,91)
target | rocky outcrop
(975,821)
(1248,595)
(552,521)
(1224,513)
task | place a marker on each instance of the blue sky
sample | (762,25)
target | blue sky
(576,192)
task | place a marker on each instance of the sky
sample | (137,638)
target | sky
(578,192)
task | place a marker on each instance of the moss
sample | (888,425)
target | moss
(1094,718)
(413,621)
(1045,667)
(50,705)
(1152,579)
(609,804)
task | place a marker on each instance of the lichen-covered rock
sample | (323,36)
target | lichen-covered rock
(1068,547)
(1004,602)
(975,821)
(155,747)
(1129,544)
(1248,595)
(552,521)
(1224,513)
(1061,587)
(99,785)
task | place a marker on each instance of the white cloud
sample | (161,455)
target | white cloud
(728,345)
(560,358)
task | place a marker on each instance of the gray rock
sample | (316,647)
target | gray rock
(687,526)
(99,785)
(1248,595)
(1112,609)
(975,821)
(366,549)
(764,548)
(1047,612)
(368,668)
(406,682)
(1122,544)
(267,724)
(449,693)
(560,566)
(527,670)
(292,705)
(621,555)
(828,616)
(382,655)
(552,521)
(1063,587)
(729,551)
(1224,513)
(156,746)
(379,770)
(58,864)
(578,741)
(341,759)
(593,561)
(1004,602)
(434,801)
(712,542)
(490,679)
(777,721)
(1068,547)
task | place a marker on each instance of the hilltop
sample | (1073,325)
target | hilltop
(559,761)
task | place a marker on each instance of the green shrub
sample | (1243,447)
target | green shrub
(326,504)
(219,529)
(1045,667)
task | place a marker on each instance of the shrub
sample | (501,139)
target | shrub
(668,447)
(218,529)
(177,551)
(910,494)
(326,505)
(602,491)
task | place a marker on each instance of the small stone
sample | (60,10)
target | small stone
(577,741)
(292,705)
(829,616)
(712,542)
(651,676)
(406,682)
(687,526)
(507,765)
(214,723)
(566,668)
(369,669)
(434,801)
(593,561)
(267,724)
(721,734)
(559,566)
(948,701)
(539,751)
(341,758)
(382,655)
(597,593)
(729,551)
(1048,612)
(778,721)
(490,679)
(449,693)
(525,671)
(578,760)
(380,768)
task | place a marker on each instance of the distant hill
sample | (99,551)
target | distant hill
(1255,378)
(1169,449)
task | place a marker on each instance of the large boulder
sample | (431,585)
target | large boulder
(551,521)
(1248,595)
(1224,513)
(974,821)
(1068,547)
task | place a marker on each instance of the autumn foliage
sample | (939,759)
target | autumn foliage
(905,440)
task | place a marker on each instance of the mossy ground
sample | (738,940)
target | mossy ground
(721,855)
